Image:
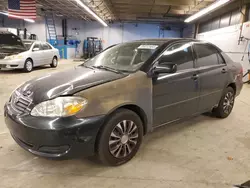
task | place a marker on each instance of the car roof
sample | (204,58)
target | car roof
(165,40)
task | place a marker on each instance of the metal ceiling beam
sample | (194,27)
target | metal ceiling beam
(120,9)
(157,2)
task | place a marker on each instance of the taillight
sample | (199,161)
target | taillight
(241,71)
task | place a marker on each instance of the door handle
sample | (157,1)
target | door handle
(223,70)
(195,77)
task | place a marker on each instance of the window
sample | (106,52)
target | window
(45,46)
(207,55)
(220,59)
(225,20)
(28,44)
(49,46)
(37,45)
(180,54)
(126,57)
(215,24)
(235,18)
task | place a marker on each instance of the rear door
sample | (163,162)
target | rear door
(176,95)
(212,75)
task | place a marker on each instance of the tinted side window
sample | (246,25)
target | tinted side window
(180,54)
(206,55)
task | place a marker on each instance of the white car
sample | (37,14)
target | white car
(35,53)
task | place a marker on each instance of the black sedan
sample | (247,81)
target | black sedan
(106,105)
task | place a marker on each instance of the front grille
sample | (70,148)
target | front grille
(20,103)
(2,66)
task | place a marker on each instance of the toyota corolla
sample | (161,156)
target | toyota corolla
(106,105)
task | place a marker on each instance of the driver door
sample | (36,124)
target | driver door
(47,54)
(37,54)
(176,95)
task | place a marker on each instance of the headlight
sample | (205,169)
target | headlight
(13,57)
(59,107)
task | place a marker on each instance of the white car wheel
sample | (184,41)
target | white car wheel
(28,66)
(54,62)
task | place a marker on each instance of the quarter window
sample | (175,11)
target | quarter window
(207,55)
(180,54)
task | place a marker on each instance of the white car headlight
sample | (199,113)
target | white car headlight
(13,57)
(59,107)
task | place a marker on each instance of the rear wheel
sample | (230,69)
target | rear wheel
(226,104)
(28,65)
(54,62)
(120,138)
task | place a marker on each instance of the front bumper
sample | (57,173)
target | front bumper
(54,137)
(11,64)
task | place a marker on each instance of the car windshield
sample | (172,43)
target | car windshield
(127,57)
(28,44)
(10,41)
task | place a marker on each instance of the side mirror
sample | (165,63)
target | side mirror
(35,49)
(165,68)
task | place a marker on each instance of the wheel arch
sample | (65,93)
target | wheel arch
(232,85)
(29,58)
(135,108)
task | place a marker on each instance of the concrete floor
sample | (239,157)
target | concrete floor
(202,152)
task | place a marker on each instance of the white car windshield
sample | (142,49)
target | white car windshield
(28,44)
(124,57)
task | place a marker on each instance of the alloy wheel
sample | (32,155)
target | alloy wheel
(123,139)
(29,65)
(54,61)
(228,102)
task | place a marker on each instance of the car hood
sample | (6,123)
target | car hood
(11,51)
(66,83)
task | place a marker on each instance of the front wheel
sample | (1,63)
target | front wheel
(120,138)
(226,104)
(28,65)
(54,62)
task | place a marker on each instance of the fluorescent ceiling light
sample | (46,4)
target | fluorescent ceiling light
(14,16)
(29,20)
(206,10)
(91,12)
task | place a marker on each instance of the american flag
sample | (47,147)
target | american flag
(24,9)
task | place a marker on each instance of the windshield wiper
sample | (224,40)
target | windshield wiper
(90,67)
(108,69)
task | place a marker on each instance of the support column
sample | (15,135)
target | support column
(196,30)
(65,30)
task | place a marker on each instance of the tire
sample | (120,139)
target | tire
(114,147)
(28,65)
(54,62)
(226,103)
